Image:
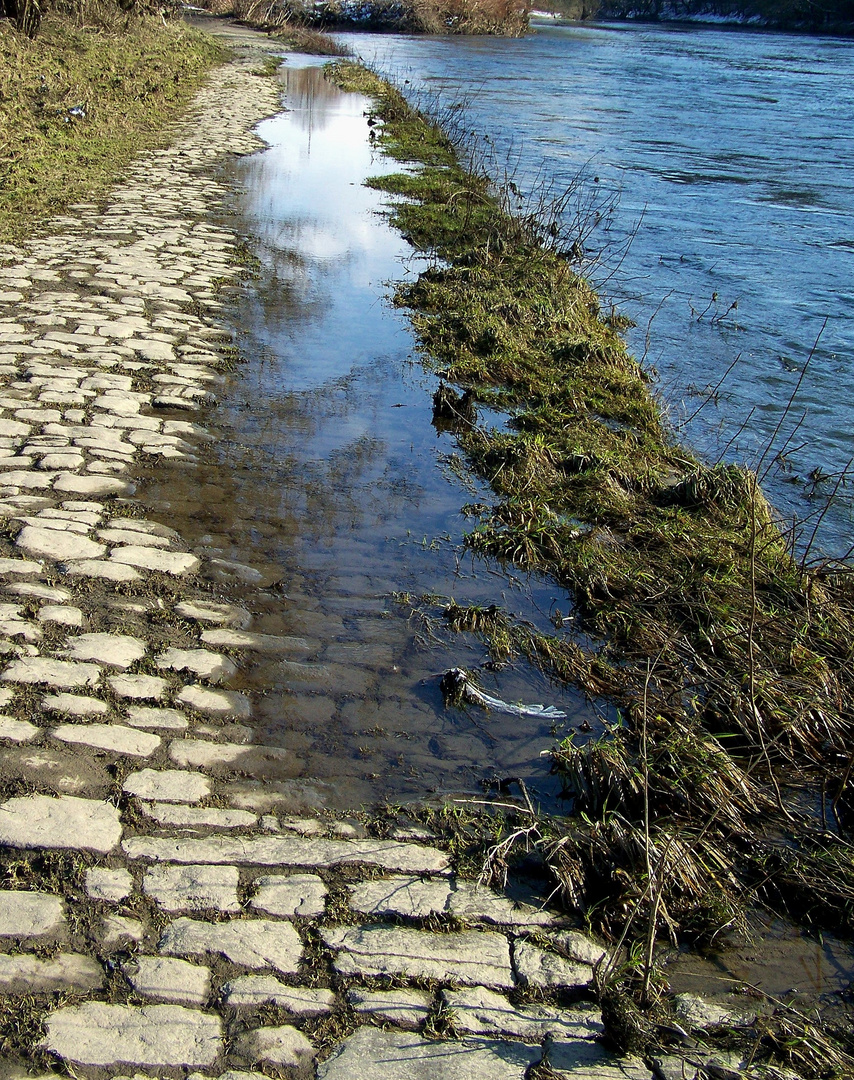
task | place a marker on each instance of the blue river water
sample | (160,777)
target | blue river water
(722,163)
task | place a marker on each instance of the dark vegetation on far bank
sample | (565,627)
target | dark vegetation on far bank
(729,782)
(84,87)
(809,16)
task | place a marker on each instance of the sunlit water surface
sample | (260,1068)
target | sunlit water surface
(732,154)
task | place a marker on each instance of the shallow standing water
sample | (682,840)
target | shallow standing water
(330,480)
(732,153)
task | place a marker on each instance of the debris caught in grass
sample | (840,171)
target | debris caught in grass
(457,685)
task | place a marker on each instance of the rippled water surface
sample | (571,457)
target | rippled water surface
(732,153)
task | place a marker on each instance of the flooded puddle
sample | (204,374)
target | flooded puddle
(330,479)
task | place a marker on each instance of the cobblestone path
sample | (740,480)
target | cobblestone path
(159,915)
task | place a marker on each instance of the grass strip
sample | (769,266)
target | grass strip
(78,102)
(729,780)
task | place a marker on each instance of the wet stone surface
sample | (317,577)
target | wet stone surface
(206,886)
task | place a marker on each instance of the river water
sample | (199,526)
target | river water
(328,494)
(731,157)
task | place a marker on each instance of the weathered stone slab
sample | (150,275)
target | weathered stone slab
(113,737)
(167,1035)
(38,821)
(265,643)
(30,914)
(92,485)
(204,664)
(20,566)
(75,705)
(138,687)
(699,1013)
(117,650)
(166,719)
(203,754)
(216,702)
(548,971)
(282,1046)
(99,568)
(254,990)
(63,614)
(109,885)
(407,1008)
(479,1011)
(371,1054)
(17,730)
(53,544)
(169,785)
(571,1058)
(201,816)
(285,850)
(118,930)
(301,895)
(208,611)
(193,888)
(176,563)
(60,673)
(471,958)
(26,974)
(168,979)
(577,946)
(252,943)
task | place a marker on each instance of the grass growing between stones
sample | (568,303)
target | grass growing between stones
(729,781)
(78,102)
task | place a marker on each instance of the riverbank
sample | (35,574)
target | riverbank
(79,101)
(707,631)
(164,906)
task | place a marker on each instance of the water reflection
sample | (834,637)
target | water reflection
(329,478)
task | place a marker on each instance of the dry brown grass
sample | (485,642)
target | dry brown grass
(81,99)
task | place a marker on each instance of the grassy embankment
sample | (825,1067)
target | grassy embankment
(301,22)
(81,99)
(728,783)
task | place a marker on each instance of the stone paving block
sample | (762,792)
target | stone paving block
(574,1058)
(98,568)
(203,754)
(407,1008)
(64,674)
(17,730)
(216,702)
(479,1011)
(301,895)
(138,687)
(282,1046)
(169,785)
(30,914)
(62,614)
(201,816)
(193,888)
(286,851)
(208,611)
(117,650)
(155,1035)
(201,662)
(266,643)
(20,566)
(39,821)
(109,885)
(470,958)
(372,1054)
(26,974)
(547,971)
(120,930)
(254,990)
(168,979)
(75,705)
(58,545)
(252,943)
(166,719)
(113,737)
(577,946)
(92,485)
(176,563)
